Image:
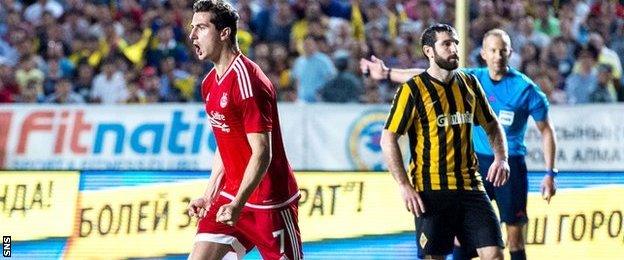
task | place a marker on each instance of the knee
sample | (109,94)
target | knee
(491,253)
(515,239)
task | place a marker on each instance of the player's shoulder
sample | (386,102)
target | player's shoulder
(250,77)
(471,75)
(520,78)
(477,71)
(526,84)
(245,67)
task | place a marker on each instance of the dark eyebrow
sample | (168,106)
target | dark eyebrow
(199,24)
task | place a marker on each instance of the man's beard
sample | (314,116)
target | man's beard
(444,63)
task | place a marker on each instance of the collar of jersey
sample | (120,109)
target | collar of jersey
(227,71)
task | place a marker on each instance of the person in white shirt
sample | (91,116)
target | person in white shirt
(109,86)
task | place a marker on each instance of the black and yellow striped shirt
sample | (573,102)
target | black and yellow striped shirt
(438,119)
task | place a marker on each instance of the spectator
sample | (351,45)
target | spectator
(135,94)
(559,58)
(545,21)
(300,29)
(63,93)
(109,86)
(175,83)
(30,93)
(487,20)
(526,34)
(345,87)
(603,92)
(71,38)
(280,24)
(554,94)
(28,72)
(311,71)
(7,86)
(35,11)
(607,56)
(581,84)
(7,79)
(83,80)
(166,46)
(336,8)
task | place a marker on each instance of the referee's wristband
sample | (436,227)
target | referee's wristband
(552,173)
(388,75)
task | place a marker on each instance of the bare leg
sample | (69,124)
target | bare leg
(436,257)
(515,240)
(209,250)
(490,253)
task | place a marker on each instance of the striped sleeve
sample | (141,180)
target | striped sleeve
(402,112)
(483,111)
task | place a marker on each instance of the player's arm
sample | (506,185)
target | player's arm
(256,168)
(394,160)
(215,177)
(199,207)
(549,146)
(498,173)
(378,71)
(401,115)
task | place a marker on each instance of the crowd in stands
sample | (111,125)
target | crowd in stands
(137,51)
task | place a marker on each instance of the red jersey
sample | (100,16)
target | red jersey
(243,101)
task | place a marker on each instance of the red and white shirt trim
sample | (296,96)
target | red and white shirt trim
(256,206)
(244,83)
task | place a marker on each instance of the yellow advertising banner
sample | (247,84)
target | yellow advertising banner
(349,205)
(140,221)
(37,205)
(577,224)
(151,221)
(123,222)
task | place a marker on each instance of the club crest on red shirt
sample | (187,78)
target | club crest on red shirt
(224,100)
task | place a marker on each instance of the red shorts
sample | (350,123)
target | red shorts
(274,231)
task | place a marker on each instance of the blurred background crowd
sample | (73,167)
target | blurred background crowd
(137,51)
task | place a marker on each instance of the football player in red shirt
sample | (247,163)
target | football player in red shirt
(251,198)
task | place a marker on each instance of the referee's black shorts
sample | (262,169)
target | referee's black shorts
(511,198)
(466,214)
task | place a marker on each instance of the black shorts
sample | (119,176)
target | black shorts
(467,215)
(511,198)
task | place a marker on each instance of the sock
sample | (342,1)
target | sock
(518,255)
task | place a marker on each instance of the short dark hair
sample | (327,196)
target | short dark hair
(428,37)
(224,15)
(589,49)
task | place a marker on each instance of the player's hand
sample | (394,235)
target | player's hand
(199,207)
(228,214)
(498,173)
(413,203)
(374,68)
(548,188)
